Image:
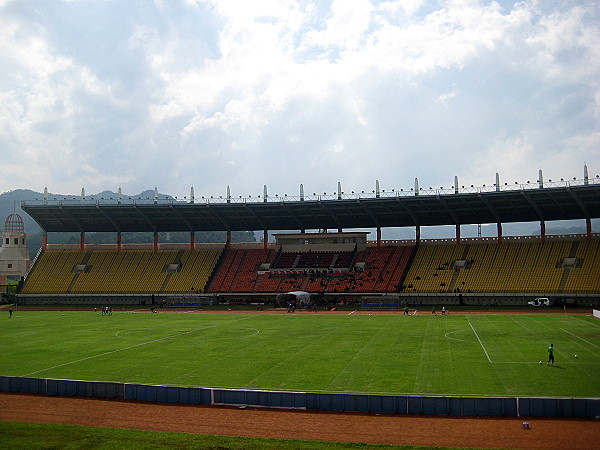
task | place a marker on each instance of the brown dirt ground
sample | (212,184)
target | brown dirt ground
(308,425)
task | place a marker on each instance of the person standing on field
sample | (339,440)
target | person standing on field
(551,354)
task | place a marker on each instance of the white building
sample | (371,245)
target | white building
(14,256)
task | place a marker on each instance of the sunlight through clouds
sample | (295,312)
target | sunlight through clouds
(109,93)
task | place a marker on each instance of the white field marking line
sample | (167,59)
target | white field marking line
(185,374)
(130,347)
(589,323)
(350,313)
(520,324)
(254,330)
(591,343)
(480,343)
(456,339)
(156,327)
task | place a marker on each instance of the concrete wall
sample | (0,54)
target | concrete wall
(388,404)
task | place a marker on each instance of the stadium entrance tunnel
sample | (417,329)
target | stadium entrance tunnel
(298,296)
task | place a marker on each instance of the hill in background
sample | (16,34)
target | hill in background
(11,202)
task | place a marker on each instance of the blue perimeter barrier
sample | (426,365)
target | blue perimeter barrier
(367,403)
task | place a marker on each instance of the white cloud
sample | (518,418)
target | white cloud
(443,98)
(180,94)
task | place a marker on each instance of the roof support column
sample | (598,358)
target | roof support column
(82,241)
(45,241)
(265,239)
(588,229)
(119,241)
(499,226)
(155,245)
(418,234)
(458,233)
(378,236)
(543,231)
(228,240)
(192,240)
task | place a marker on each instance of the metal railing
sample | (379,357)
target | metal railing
(430,191)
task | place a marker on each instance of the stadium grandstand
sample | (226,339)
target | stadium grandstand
(340,266)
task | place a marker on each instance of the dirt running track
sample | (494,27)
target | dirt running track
(307,425)
(346,427)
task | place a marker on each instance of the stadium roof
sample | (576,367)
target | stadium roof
(344,212)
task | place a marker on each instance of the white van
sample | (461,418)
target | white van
(540,301)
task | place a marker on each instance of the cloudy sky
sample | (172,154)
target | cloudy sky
(207,93)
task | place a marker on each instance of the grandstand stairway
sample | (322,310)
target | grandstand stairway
(567,270)
(452,284)
(85,260)
(169,275)
(259,279)
(413,253)
(236,275)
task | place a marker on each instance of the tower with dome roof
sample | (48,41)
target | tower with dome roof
(14,255)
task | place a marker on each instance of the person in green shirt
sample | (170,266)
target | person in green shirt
(406,310)
(551,354)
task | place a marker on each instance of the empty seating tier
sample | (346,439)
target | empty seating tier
(514,266)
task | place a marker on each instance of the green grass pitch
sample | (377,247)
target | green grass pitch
(482,354)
